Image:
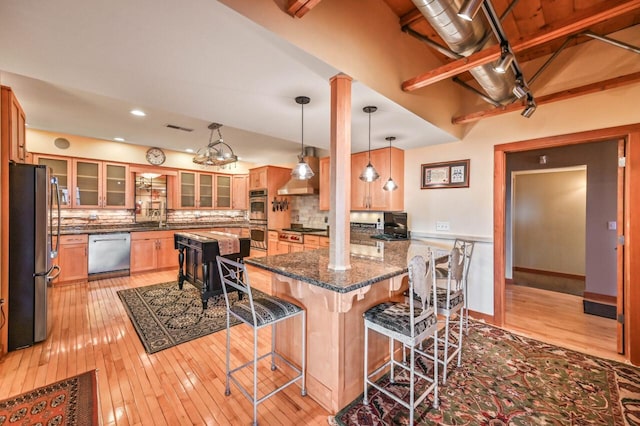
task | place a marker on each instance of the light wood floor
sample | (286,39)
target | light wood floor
(178,386)
(185,384)
(558,318)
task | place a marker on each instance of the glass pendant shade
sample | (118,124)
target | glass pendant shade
(369,174)
(390,185)
(302,171)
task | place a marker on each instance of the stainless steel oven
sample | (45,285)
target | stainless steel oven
(258,204)
(259,234)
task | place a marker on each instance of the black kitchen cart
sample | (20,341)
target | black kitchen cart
(197,252)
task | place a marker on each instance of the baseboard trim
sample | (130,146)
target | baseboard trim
(600,298)
(549,273)
(482,317)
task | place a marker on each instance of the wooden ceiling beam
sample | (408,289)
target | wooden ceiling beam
(409,18)
(580,21)
(299,8)
(554,97)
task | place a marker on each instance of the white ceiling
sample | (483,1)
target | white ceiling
(79,67)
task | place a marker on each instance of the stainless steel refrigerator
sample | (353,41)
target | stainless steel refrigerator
(33,212)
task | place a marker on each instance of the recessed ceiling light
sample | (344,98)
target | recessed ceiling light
(138,112)
(118,139)
(189,150)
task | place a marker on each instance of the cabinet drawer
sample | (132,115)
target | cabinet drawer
(324,242)
(74,239)
(312,240)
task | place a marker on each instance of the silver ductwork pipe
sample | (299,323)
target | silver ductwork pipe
(465,38)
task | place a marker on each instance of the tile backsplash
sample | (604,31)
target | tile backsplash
(102,217)
(306,210)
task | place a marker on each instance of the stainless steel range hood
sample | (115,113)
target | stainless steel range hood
(304,187)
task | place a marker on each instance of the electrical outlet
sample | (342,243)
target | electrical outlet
(442,226)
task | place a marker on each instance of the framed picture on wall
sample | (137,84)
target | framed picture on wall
(449,174)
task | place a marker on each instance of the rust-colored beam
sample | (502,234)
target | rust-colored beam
(299,8)
(452,69)
(553,97)
(411,17)
(580,21)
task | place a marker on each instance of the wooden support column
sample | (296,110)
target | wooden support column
(340,171)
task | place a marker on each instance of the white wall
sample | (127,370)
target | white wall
(470,210)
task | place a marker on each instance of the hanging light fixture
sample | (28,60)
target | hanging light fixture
(216,153)
(530,108)
(369,174)
(506,58)
(390,185)
(302,171)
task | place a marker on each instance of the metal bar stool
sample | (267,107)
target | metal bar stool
(409,325)
(257,311)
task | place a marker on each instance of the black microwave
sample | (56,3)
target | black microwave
(395,224)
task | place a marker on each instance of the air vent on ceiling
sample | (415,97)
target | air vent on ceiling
(184,129)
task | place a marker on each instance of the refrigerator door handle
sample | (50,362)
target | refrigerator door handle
(56,190)
(55,268)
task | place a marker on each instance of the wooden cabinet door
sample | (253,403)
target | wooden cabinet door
(167,254)
(205,191)
(13,125)
(240,192)
(87,177)
(72,258)
(359,189)
(325,184)
(293,248)
(187,190)
(258,178)
(61,168)
(223,191)
(143,255)
(116,192)
(379,198)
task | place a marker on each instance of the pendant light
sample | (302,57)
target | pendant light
(369,174)
(390,185)
(302,171)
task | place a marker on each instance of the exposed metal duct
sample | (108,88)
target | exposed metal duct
(465,38)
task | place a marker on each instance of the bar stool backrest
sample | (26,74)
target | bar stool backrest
(234,274)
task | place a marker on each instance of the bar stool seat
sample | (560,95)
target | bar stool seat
(257,310)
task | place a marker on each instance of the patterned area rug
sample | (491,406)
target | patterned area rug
(165,316)
(72,401)
(507,379)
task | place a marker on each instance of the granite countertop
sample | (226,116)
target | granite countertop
(369,264)
(139,227)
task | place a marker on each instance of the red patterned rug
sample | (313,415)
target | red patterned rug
(506,379)
(72,401)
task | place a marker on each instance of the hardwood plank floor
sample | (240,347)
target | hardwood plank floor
(558,318)
(185,384)
(180,385)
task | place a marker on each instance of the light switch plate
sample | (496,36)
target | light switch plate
(442,226)
(612,225)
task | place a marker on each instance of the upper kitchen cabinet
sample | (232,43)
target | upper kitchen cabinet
(258,178)
(101,184)
(222,191)
(370,195)
(240,194)
(195,190)
(12,125)
(61,167)
(325,184)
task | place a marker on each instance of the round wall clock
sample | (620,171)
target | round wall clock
(156,156)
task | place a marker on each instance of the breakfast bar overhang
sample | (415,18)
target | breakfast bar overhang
(335,302)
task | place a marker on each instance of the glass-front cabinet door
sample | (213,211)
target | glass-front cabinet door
(60,168)
(151,197)
(87,184)
(115,188)
(187,190)
(205,187)
(223,192)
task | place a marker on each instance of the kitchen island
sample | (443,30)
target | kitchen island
(335,302)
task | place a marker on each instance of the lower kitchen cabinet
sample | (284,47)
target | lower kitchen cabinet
(152,250)
(72,258)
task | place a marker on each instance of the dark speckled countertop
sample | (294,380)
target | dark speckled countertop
(138,227)
(370,263)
